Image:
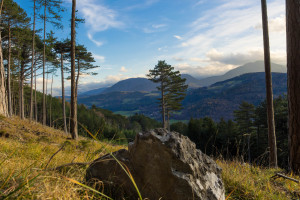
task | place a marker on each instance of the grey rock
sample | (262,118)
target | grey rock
(164,165)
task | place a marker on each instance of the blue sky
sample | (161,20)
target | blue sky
(198,37)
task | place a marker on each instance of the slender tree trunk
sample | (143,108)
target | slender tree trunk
(3,103)
(163,106)
(270,109)
(169,125)
(21,92)
(9,103)
(73,127)
(44,62)
(50,114)
(32,65)
(63,93)
(293,71)
(77,79)
(35,101)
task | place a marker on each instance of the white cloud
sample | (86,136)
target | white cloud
(232,37)
(123,69)
(277,24)
(215,68)
(98,43)
(99,58)
(98,18)
(157,26)
(178,37)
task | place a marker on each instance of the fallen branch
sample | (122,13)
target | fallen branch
(278,175)
(61,148)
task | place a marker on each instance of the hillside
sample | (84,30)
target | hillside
(216,101)
(144,85)
(257,66)
(30,152)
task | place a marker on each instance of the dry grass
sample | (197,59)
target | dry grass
(26,150)
(26,147)
(243,181)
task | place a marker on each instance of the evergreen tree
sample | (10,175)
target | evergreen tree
(293,71)
(62,48)
(245,120)
(52,9)
(269,92)
(73,126)
(171,86)
(3,104)
(13,16)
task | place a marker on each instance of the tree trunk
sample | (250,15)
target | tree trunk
(163,106)
(63,93)
(32,65)
(73,127)
(21,91)
(35,102)
(293,72)
(270,109)
(44,62)
(8,87)
(50,114)
(3,103)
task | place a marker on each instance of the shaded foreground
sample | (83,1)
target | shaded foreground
(26,148)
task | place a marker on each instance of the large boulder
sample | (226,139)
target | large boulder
(164,165)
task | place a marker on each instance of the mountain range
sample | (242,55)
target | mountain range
(215,101)
(144,85)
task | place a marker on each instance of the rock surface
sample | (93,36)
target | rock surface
(164,165)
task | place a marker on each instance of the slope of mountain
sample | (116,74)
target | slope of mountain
(93,92)
(216,101)
(132,84)
(257,66)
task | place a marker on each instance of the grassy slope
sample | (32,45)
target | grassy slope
(29,146)
(26,152)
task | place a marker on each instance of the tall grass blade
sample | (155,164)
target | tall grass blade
(85,186)
(21,186)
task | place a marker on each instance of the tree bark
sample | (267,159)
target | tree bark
(270,108)
(8,87)
(44,62)
(63,93)
(293,72)
(32,65)
(3,103)
(73,127)
(50,114)
(163,106)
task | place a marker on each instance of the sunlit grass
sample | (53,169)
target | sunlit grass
(27,150)
(243,181)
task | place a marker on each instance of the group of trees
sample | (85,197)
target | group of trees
(245,137)
(27,53)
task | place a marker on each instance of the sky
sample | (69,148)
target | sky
(198,37)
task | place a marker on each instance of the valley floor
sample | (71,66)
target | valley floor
(30,153)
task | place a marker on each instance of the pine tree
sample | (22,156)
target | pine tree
(62,48)
(3,104)
(171,86)
(293,71)
(52,9)
(13,16)
(269,92)
(73,124)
